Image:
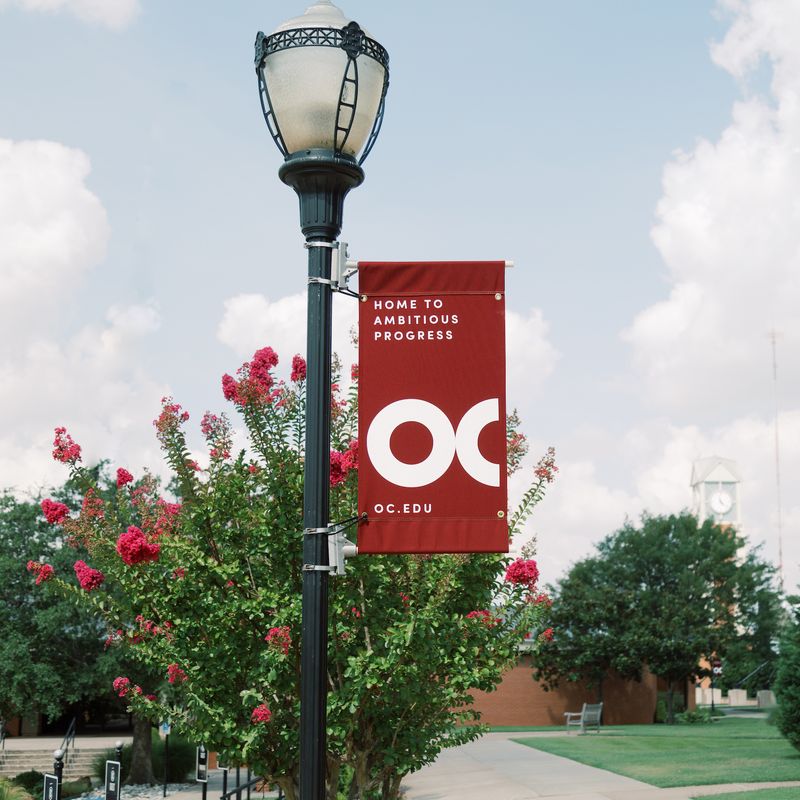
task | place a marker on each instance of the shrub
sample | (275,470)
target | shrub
(700,716)
(12,791)
(661,706)
(76,787)
(99,763)
(31,781)
(181,760)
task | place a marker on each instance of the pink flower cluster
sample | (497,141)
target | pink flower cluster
(88,578)
(169,420)
(354,372)
(547,635)
(540,599)
(486,618)
(254,386)
(279,639)
(261,715)
(54,512)
(43,572)
(546,468)
(343,463)
(217,431)
(176,675)
(149,627)
(516,450)
(121,685)
(92,506)
(134,548)
(298,369)
(64,448)
(123,477)
(523,572)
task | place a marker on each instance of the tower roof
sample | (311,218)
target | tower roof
(715,468)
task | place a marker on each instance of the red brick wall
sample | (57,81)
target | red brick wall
(519,700)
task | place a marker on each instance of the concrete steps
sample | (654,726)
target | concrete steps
(13,762)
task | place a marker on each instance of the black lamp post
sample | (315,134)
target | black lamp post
(322,83)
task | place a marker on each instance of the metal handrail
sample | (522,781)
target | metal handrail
(69,739)
(237,790)
(750,675)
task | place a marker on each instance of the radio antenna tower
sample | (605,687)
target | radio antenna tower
(773,335)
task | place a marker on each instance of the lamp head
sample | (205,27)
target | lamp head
(322,82)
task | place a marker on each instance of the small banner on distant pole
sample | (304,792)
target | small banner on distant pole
(432,408)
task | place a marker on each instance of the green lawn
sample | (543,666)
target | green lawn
(759,794)
(727,751)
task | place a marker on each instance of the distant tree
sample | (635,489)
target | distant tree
(585,616)
(51,652)
(787,680)
(750,660)
(665,594)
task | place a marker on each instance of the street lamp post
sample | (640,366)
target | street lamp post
(322,83)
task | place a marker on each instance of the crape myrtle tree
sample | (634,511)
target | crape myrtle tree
(207,592)
(666,595)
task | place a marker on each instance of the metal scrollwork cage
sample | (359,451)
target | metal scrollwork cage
(298,95)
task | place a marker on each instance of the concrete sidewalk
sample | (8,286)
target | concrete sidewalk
(496,768)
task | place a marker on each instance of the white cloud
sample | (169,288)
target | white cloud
(530,357)
(53,229)
(251,321)
(729,232)
(92,385)
(114,14)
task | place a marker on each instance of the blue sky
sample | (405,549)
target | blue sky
(638,161)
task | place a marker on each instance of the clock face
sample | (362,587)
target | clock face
(721,502)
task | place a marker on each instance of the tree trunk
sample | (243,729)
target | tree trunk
(670,703)
(290,787)
(391,786)
(141,770)
(600,688)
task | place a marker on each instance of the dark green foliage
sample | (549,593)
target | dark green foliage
(51,652)
(700,716)
(182,755)
(76,787)
(787,681)
(32,781)
(750,661)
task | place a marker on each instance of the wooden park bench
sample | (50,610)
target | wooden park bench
(588,716)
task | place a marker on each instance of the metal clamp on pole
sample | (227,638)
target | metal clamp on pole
(340,548)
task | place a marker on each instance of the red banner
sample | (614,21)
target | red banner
(432,408)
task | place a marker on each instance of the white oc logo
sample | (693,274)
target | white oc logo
(446,442)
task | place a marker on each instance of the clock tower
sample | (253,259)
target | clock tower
(715,491)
